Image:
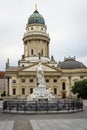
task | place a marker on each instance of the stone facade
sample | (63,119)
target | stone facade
(60,77)
(3,82)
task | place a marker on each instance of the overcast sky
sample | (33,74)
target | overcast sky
(66,22)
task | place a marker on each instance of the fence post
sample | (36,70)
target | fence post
(10,106)
(17,106)
(47,106)
(36,106)
(68,106)
(57,106)
(73,102)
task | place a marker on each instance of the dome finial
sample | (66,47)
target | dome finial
(35,6)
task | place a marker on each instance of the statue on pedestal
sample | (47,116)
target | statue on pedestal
(40,75)
(41,93)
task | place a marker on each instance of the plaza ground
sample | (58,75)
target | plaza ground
(70,121)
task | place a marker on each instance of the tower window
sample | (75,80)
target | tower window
(23,91)
(41,28)
(14,91)
(32,52)
(25,43)
(13,81)
(31,28)
(55,90)
(63,86)
(47,80)
(42,52)
(31,80)
(55,80)
(31,90)
(22,80)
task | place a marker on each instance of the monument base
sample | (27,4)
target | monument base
(42,99)
(42,90)
(41,93)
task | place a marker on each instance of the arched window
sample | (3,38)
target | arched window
(42,52)
(31,28)
(31,90)
(14,91)
(32,52)
(63,86)
(23,91)
(55,90)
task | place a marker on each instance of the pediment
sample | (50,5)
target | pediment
(34,68)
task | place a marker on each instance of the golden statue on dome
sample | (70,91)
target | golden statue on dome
(35,6)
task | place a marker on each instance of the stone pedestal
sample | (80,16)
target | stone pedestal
(42,90)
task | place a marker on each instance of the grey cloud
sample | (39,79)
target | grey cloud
(66,22)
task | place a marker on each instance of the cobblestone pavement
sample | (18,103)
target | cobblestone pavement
(71,121)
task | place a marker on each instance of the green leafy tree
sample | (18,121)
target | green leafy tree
(80,88)
(3,94)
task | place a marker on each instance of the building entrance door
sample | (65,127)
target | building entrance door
(63,95)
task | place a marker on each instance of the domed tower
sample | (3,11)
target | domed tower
(36,40)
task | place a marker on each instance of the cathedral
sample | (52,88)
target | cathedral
(59,76)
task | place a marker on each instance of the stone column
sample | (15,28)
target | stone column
(69,89)
(59,86)
(51,82)
(27,85)
(36,83)
(7,93)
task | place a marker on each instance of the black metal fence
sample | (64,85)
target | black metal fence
(69,105)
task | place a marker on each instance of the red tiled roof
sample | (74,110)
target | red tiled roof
(2,73)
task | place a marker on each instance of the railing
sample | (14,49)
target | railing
(10,105)
(36,32)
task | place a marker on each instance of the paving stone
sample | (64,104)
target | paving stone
(43,125)
(22,125)
(76,124)
(2,125)
(9,125)
(57,123)
(52,124)
(72,125)
(1,104)
(6,125)
(69,124)
(60,124)
(35,125)
(82,123)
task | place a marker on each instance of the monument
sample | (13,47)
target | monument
(40,92)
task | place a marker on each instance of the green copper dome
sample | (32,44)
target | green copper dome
(36,18)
